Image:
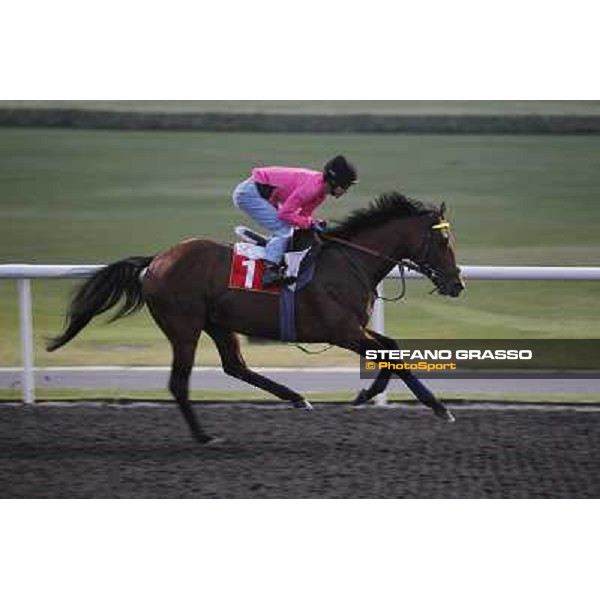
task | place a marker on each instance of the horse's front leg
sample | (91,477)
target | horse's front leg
(382,380)
(371,340)
(378,386)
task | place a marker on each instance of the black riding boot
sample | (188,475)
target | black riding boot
(272,275)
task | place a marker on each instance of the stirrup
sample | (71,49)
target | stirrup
(272,275)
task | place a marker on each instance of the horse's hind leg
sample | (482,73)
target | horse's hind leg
(179,385)
(183,333)
(233,364)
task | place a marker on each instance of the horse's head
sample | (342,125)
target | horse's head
(433,253)
(401,228)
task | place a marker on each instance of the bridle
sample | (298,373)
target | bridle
(420,265)
(423,265)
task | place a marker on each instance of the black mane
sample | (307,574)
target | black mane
(391,205)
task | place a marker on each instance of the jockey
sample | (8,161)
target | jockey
(281,198)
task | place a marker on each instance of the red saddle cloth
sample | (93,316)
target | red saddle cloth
(247,268)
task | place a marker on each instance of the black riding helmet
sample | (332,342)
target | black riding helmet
(339,172)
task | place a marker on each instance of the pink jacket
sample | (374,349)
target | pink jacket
(298,192)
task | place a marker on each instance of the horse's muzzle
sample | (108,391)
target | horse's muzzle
(451,284)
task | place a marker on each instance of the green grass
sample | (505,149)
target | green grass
(93,197)
(410,107)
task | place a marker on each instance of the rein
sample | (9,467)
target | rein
(425,269)
(401,264)
(364,249)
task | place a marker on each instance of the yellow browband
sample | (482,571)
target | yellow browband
(442,225)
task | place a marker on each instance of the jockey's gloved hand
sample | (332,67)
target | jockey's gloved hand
(319,226)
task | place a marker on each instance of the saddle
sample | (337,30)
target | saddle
(298,259)
(247,268)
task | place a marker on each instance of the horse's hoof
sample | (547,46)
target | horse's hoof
(211,442)
(302,403)
(444,414)
(361,399)
(206,440)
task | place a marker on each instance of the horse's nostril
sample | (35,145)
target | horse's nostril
(455,288)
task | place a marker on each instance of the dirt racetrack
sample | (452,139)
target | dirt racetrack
(141,451)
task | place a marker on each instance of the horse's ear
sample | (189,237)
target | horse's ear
(443,209)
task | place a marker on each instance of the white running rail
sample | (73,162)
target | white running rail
(24,273)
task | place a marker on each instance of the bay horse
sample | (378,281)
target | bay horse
(186,291)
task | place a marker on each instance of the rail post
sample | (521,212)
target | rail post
(378,323)
(26,321)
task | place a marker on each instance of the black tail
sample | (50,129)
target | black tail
(100,293)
